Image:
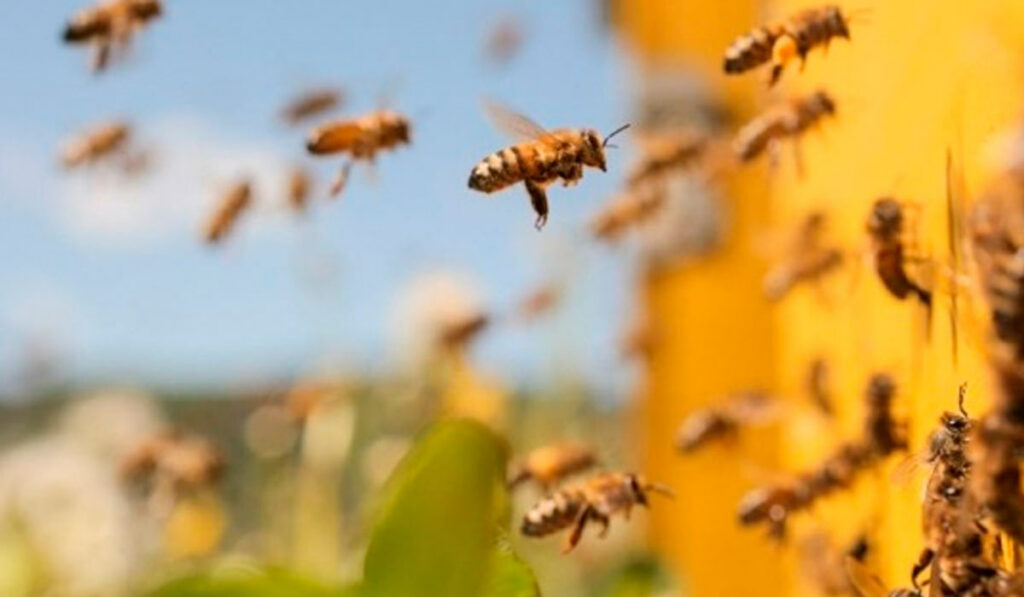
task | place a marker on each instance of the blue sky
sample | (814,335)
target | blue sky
(128,293)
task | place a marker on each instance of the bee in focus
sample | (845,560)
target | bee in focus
(782,41)
(361,138)
(109,26)
(886,228)
(597,499)
(807,260)
(299,183)
(540,159)
(310,103)
(96,143)
(790,119)
(723,423)
(232,203)
(881,436)
(549,465)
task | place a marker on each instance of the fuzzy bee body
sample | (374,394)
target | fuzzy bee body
(597,499)
(787,120)
(311,103)
(885,226)
(95,143)
(299,184)
(782,41)
(719,423)
(665,155)
(360,138)
(109,26)
(231,206)
(548,465)
(808,260)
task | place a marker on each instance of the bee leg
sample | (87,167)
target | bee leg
(605,524)
(539,201)
(784,50)
(338,184)
(577,531)
(100,56)
(923,561)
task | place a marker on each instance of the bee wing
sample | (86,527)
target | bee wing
(512,123)
(905,470)
(333,136)
(863,580)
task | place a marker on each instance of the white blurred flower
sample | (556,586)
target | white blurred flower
(111,423)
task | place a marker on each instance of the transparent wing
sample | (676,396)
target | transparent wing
(866,582)
(512,123)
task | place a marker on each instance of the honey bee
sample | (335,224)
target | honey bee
(504,41)
(95,143)
(234,201)
(996,478)
(885,227)
(824,563)
(539,302)
(175,461)
(457,334)
(299,184)
(789,119)
(881,436)
(109,26)
(867,584)
(549,465)
(540,159)
(667,153)
(718,423)
(782,41)
(597,499)
(362,138)
(628,209)
(808,260)
(310,103)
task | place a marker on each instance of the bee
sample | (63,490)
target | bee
(867,584)
(597,499)
(541,159)
(310,103)
(299,184)
(457,334)
(789,119)
(885,227)
(823,562)
(782,41)
(667,153)
(95,143)
(539,302)
(818,386)
(362,138)
(808,260)
(109,26)
(504,41)
(628,209)
(234,201)
(881,436)
(996,478)
(173,460)
(718,423)
(549,465)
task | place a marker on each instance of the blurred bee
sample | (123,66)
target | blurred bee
(789,119)
(95,143)
(597,499)
(457,334)
(782,41)
(818,386)
(825,563)
(667,153)
(234,201)
(310,103)
(628,209)
(109,26)
(299,184)
(808,260)
(171,460)
(882,435)
(867,584)
(362,138)
(539,302)
(549,465)
(541,159)
(996,477)
(721,423)
(885,227)
(504,41)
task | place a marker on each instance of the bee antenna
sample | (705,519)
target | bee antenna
(613,133)
(664,490)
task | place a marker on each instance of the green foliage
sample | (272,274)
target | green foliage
(255,584)
(509,576)
(436,528)
(640,577)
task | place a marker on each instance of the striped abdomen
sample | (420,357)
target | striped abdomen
(751,50)
(511,165)
(552,514)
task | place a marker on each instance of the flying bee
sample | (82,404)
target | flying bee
(882,434)
(234,201)
(299,183)
(782,41)
(310,103)
(718,423)
(667,153)
(808,260)
(541,159)
(539,302)
(790,119)
(458,333)
(109,26)
(886,228)
(597,499)
(95,143)
(174,460)
(549,465)
(626,210)
(361,138)
(504,41)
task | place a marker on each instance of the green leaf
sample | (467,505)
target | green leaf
(509,576)
(436,527)
(247,584)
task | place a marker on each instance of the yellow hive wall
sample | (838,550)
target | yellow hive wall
(917,79)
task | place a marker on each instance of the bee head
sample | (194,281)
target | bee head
(836,22)
(636,487)
(146,9)
(881,388)
(823,102)
(886,220)
(594,147)
(398,124)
